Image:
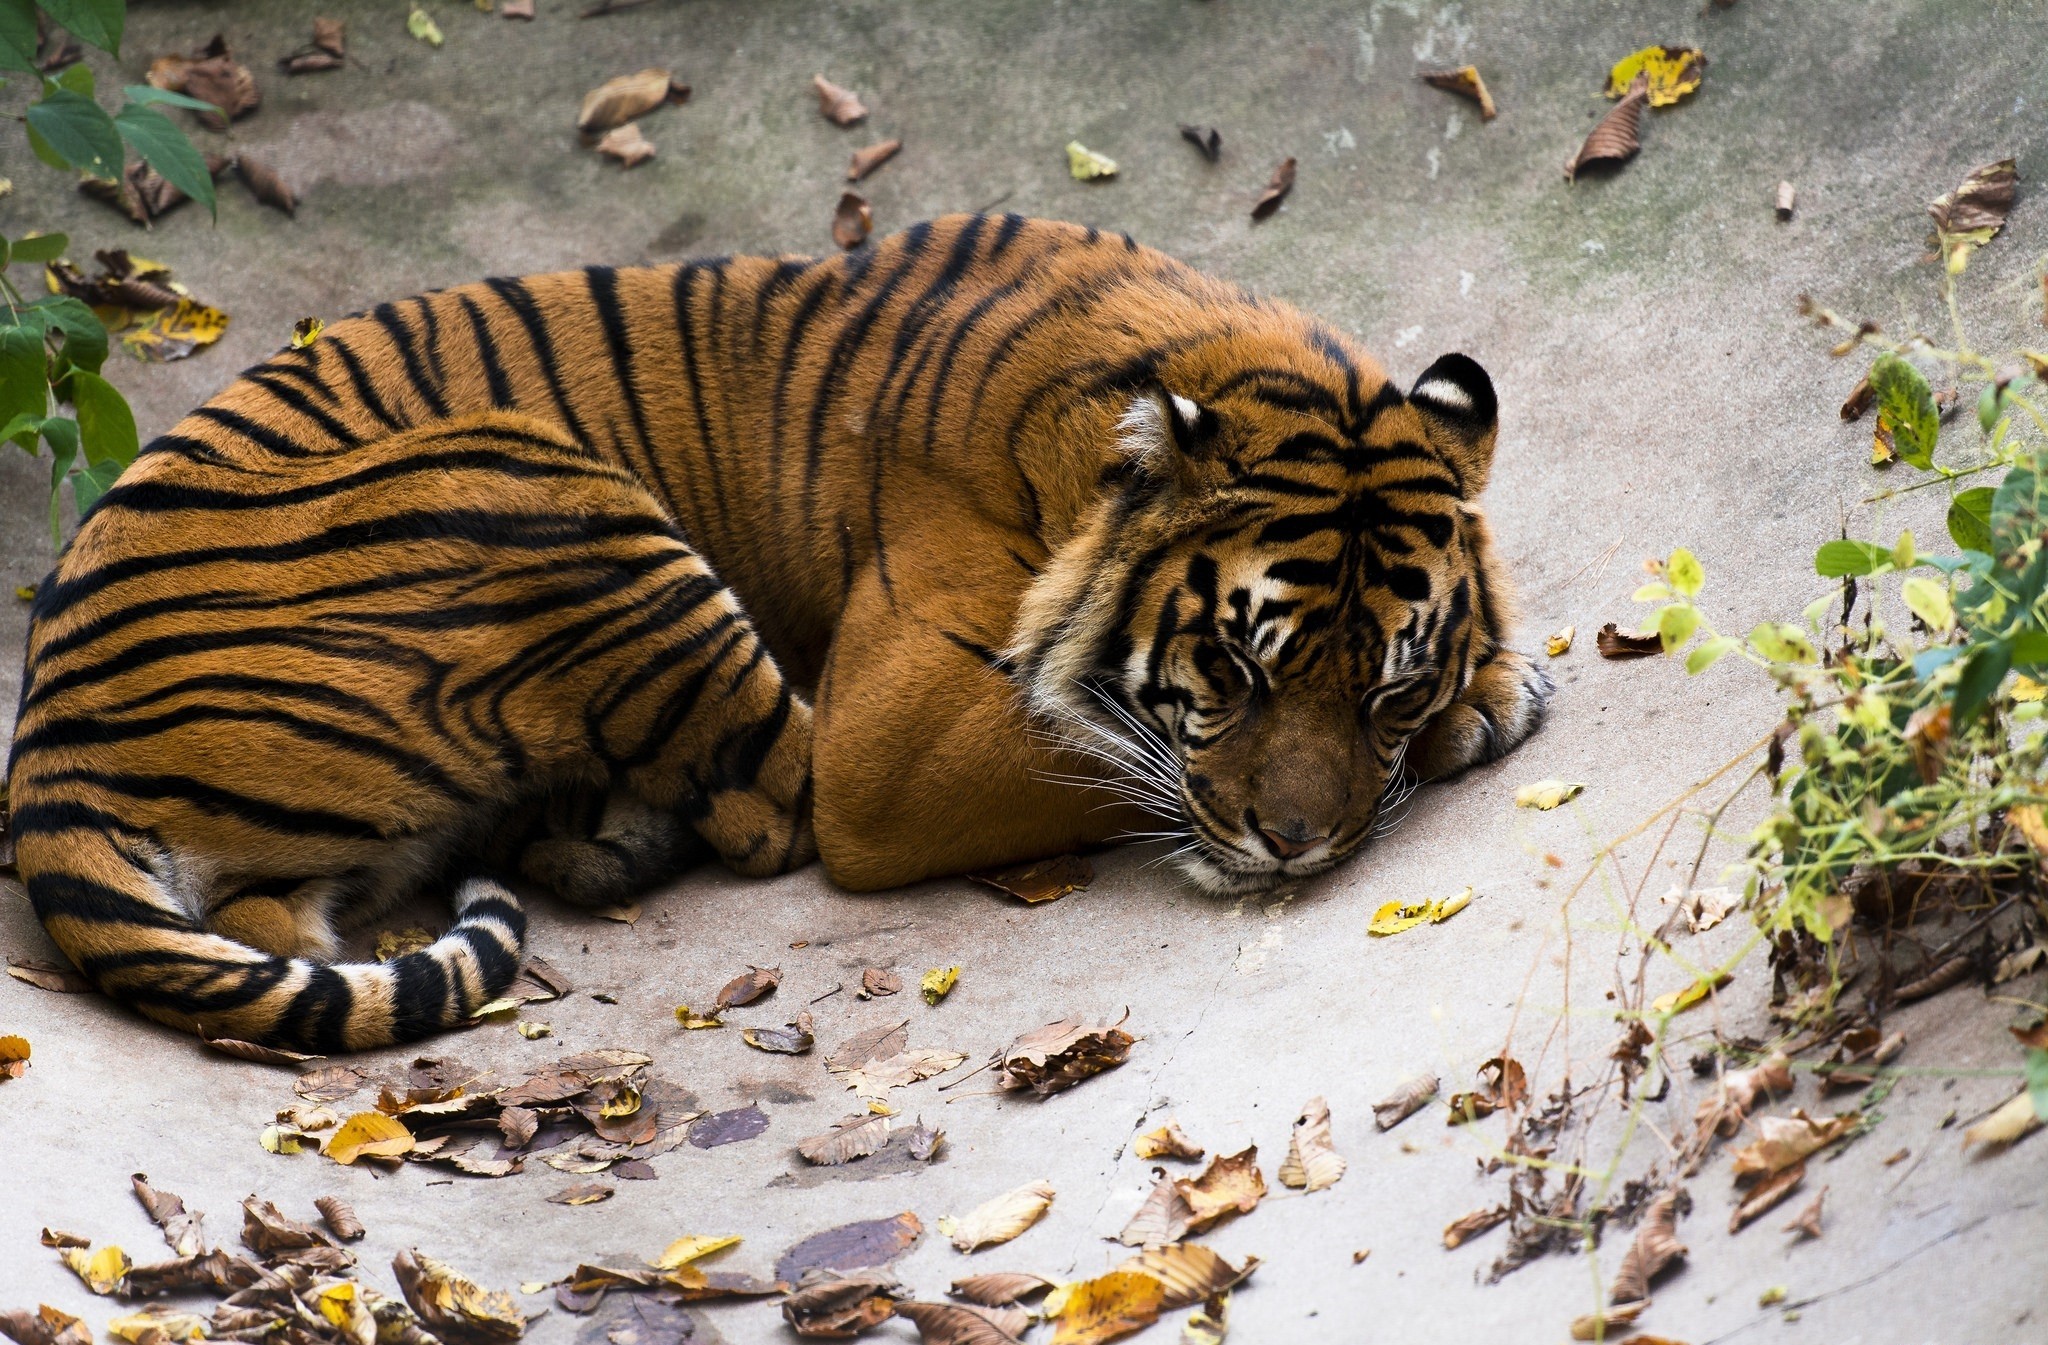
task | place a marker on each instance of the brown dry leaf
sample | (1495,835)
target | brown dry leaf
(1740,1092)
(752,984)
(57,1237)
(878,1043)
(398,942)
(874,1079)
(1609,1325)
(1231,1184)
(1787,198)
(1786,1140)
(583,1193)
(875,983)
(516,9)
(1974,213)
(728,1127)
(1506,1086)
(850,1137)
(1463,80)
(102,1271)
(999,1289)
(44,1326)
(1162,1218)
(1207,139)
(1614,642)
(1000,1219)
(1277,187)
(266,1230)
(1044,880)
(328,36)
(852,220)
(956,1324)
(329,1083)
(840,1304)
(368,1134)
(1410,1098)
(158,1324)
(1108,1307)
(867,160)
(1703,907)
(1766,1194)
(849,1247)
(265,185)
(454,1307)
(1927,734)
(310,60)
(1467,1227)
(339,1216)
(181,1229)
(1860,399)
(626,98)
(1059,1055)
(48,976)
(2014,1119)
(1655,1247)
(1189,1272)
(1166,1141)
(790,1039)
(840,106)
(1312,1161)
(1807,1223)
(627,145)
(253,1053)
(14,1056)
(1615,140)
(211,75)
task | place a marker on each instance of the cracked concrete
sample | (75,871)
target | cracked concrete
(1657,390)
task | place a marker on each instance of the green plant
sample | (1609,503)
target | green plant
(52,347)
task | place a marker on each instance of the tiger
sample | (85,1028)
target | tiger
(993,540)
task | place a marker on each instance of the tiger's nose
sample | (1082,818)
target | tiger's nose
(1293,846)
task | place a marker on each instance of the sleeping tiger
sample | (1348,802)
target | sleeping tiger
(993,540)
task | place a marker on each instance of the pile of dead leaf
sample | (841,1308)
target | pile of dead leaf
(156,318)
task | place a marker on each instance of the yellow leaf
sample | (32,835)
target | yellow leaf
(2030,823)
(102,1270)
(286,1140)
(1396,917)
(1231,1184)
(937,982)
(25,592)
(1547,794)
(693,1020)
(1085,164)
(152,1327)
(424,28)
(1002,1218)
(306,331)
(345,1310)
(687,1249)
(495,1011)
(1106,1308)
(2012,1120)
(1677,1001)
(1558,644)
(622,1103)
(1673,72)
(2024,688)
(175,332)
(534,1031)
(13,1048)
(368,1134)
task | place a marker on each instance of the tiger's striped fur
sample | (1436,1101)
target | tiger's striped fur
(591,575)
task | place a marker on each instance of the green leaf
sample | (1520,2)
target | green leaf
(24,376)
(164,147)
(22,432)
(96,21)
(1676,623)
(2037,1081)
(1988,407)
(79,132)
(1907,404)
(2030,649)
(1982,671)
(42,150)
(1685,573)
(18,35)
(62,436)
(1840,559)
(85,339)
(1929,600)
(77,78)
(147,93)
(104,420)
(39,248)
(93,482)
(2018,507)
(1969,518)
(1781,643)
(1709,653)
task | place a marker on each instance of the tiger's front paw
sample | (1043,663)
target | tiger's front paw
(1500,707)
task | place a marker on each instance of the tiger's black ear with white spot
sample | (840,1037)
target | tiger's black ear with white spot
(1162,429)
(1460,416)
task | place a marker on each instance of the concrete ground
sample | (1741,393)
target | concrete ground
(1657,389)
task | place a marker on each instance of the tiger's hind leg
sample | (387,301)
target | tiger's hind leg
(603,852)
(1498,709)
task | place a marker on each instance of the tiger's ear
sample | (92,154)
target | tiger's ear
(1460,417)
(1162,430)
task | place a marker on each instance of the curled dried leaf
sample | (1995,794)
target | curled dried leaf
(1559,644)
(2015,1118)
(1312,1161)
(1807,1222)
(1105,1308)
(1464,1229)
(1059,1055)
(959,1324)
(48,976)
(792,1039)
(1464,80)
(265,185)
(1189,1272)
(1231,1184)
(867,160)
(454,1307)
(1785,1140)
(1166,1141)
(841,107)
(937,983)
(875,983)
(1161,1218)
(1616,643)
(753,984)
(1766,1195)
(1667,74)
(852,220)
(1040,881)
(181,1228)
(1000,1289)
(1086,165)
(627,144)
(1277,187)
(841,1303)
(583,1193)
(44,1326)
(340,1218)
(850,1137)
(1410,1098)
(627,98)
(1207,139)
(1655,1248)
(1607,1325)
(1617,137)
(1001,1218)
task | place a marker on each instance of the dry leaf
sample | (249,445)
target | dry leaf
(1059,1055)
(875,982)
(1000,1289)
(45,1326)
(1703,907)
(1463,80)
(57,1237)
(850,1137)
(937,983)
(1860,399)
(369,1134)
(1678,1001)
(694,1247)
(627,145)
(1189,1272)
(791,1039)
(695,1021)
(173,333)
(158,1324)
(1609,1325)
(875,1044)
(840,1304)
(753,984)
(453,1307)
(1167,1141)
(1655,1248)
(1616,643)
(423,28)
(102,1270)
(1785,1140)
(398,942)
(1507,1085)
(1207,139)
(181,1229)
(840,106)
(211,75)
(867,160)
(1231,1184)
(1613,142)
(1312,1161)
(1395,917)
(48,976)
(1208,1324)
(1787,198)
(629,914)
(1545,795)
(340,1217)
(1766,1194)
(533,1031)
(1739,1093)
(1043,880)
(253,1053)
(2014,1119)
(583,1193)
(1000,1219)
(14,1055)
(1470,1226)
(330,1083)
(1108,1307)
(1163,1216)
(852,220)
(1973,214)
(1669,73)
(1277,187)
(1088,166)
(516,9)
(627,98)
(266,1230)
(1560,644)
(265,185)
(874,1079)
(955,1324)
(1807,1223)
(869,1243)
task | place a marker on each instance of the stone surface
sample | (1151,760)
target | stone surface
(1657,389)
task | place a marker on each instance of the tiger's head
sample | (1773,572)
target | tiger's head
(1285,580)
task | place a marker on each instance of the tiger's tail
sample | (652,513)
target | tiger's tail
(122,925)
